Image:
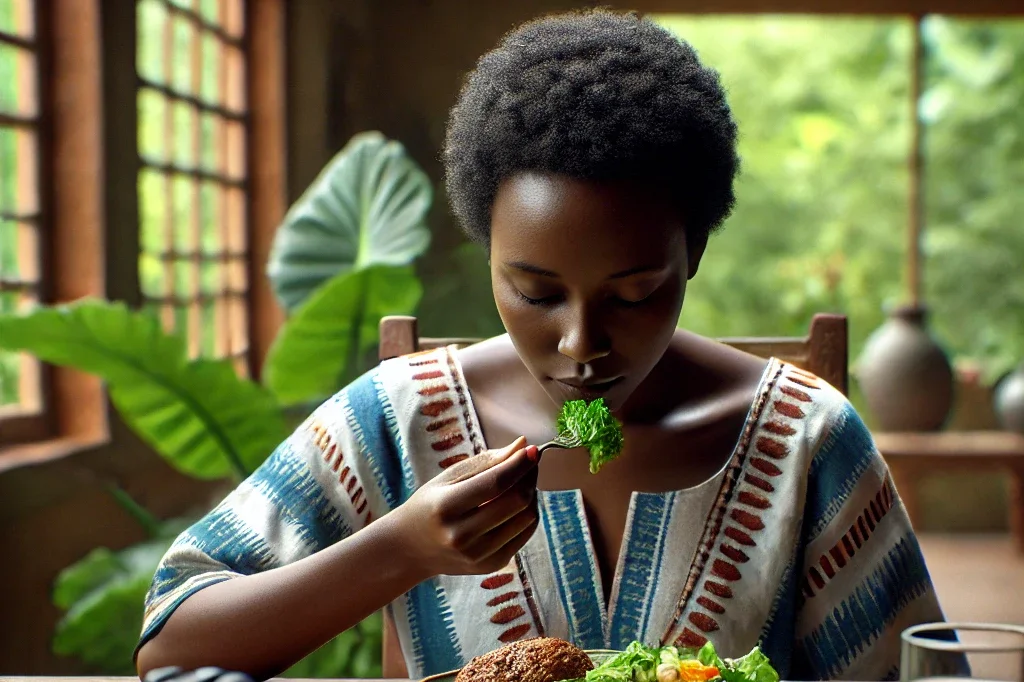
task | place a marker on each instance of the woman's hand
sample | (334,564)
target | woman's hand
(476,515)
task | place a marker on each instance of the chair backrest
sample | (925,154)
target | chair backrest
(823,352)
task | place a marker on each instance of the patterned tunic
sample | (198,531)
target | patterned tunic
(800,543)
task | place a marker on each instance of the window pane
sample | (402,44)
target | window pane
(234,17)
(18,95)
(210,133)
(233,88)
(17,17)
(209,10)
(20,250)
(184,33)
(153,126)
(209,199)
(191,215)
(184,147)
(209,90)
(153,210)
(182,188)
(151,20)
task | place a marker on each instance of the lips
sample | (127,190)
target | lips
(586,390)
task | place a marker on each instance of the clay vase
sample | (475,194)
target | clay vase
(906,377)
(1009,400)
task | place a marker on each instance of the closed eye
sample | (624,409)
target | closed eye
(547,300)
(625,303)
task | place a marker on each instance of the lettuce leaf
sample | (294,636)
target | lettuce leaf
(638,663)
(754,667)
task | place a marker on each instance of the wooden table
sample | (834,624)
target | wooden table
(101,678)
(913,455)
(42,678)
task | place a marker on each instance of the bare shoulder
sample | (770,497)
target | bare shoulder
(728,365)
(493,367)
(492,355)
(711,373)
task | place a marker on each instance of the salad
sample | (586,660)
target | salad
(639,663)
(591,426)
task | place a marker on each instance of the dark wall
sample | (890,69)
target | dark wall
(55,512)
(396,67)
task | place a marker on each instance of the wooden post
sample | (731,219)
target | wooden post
(916,163)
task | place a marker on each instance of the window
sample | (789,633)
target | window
(192,133)
(21,394)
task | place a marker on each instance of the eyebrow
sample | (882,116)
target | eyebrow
(541,272)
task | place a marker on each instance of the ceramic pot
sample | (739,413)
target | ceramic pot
(906,377)
(1009,400)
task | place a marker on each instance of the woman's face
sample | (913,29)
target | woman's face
(589,279)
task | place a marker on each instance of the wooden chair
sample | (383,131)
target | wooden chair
(822,352)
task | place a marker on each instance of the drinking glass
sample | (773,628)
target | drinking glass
(941,652)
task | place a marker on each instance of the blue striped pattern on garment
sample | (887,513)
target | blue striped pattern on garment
(579,583)
(435,642)
(229,540)
(780,627)
(645,537)
(166,579)
(845,455)
(859,619)
(365,416)
(395,436)
(286,481)
(150,629)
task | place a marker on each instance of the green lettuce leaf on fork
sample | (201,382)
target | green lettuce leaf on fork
(592,426)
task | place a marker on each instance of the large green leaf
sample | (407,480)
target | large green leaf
(355,653)
(367,207)
(104,595)
(459,300)
(199,415)
(333,337)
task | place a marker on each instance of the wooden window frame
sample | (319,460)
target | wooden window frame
(263,46)
(226,180)
(88,129)
(70,165)
(19,423)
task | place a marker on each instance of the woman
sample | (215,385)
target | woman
(592,155)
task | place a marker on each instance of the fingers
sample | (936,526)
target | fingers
(487,517)
(472,466)
(491,482)
(498,546)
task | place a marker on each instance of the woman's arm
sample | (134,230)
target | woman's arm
(471,519)
(262,624)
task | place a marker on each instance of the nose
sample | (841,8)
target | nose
(583,338)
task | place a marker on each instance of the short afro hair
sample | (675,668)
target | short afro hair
(594,95)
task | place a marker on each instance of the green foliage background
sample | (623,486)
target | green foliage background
(820,224)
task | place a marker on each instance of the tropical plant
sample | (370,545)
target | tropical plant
(208,422)
(367,207)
